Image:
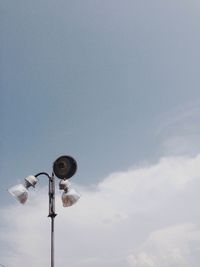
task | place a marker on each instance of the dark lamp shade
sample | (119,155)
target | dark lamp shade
(65,167)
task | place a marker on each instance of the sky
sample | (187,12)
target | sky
(115,84)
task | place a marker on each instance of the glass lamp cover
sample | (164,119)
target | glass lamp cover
(19,192)
(70,198)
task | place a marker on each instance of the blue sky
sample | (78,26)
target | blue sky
(113,83)
(94,80)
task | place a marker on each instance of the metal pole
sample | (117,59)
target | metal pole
(52,213)
(52,241)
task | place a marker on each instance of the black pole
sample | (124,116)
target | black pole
(52,241)
(52,213)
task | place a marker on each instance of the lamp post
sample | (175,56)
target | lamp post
(63,168)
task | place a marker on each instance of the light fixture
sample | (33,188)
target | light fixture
(70,196)
(30,181)
(20,191)
(64,168)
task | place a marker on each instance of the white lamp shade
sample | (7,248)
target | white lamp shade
(31,180)
(19,192)
(70,198)
(64,185)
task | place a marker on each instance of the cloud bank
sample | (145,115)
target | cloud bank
(143,217)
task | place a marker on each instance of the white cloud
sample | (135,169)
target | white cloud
(144,217)
(141,260)
(172,246)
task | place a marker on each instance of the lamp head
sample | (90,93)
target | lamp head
(30,181)
(70,197)
(19,192)
(65,167)
(64,185)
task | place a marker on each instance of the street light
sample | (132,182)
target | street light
(63,168)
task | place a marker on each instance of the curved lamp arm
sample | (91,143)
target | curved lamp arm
(2,265)
(43,173)
(51,192)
